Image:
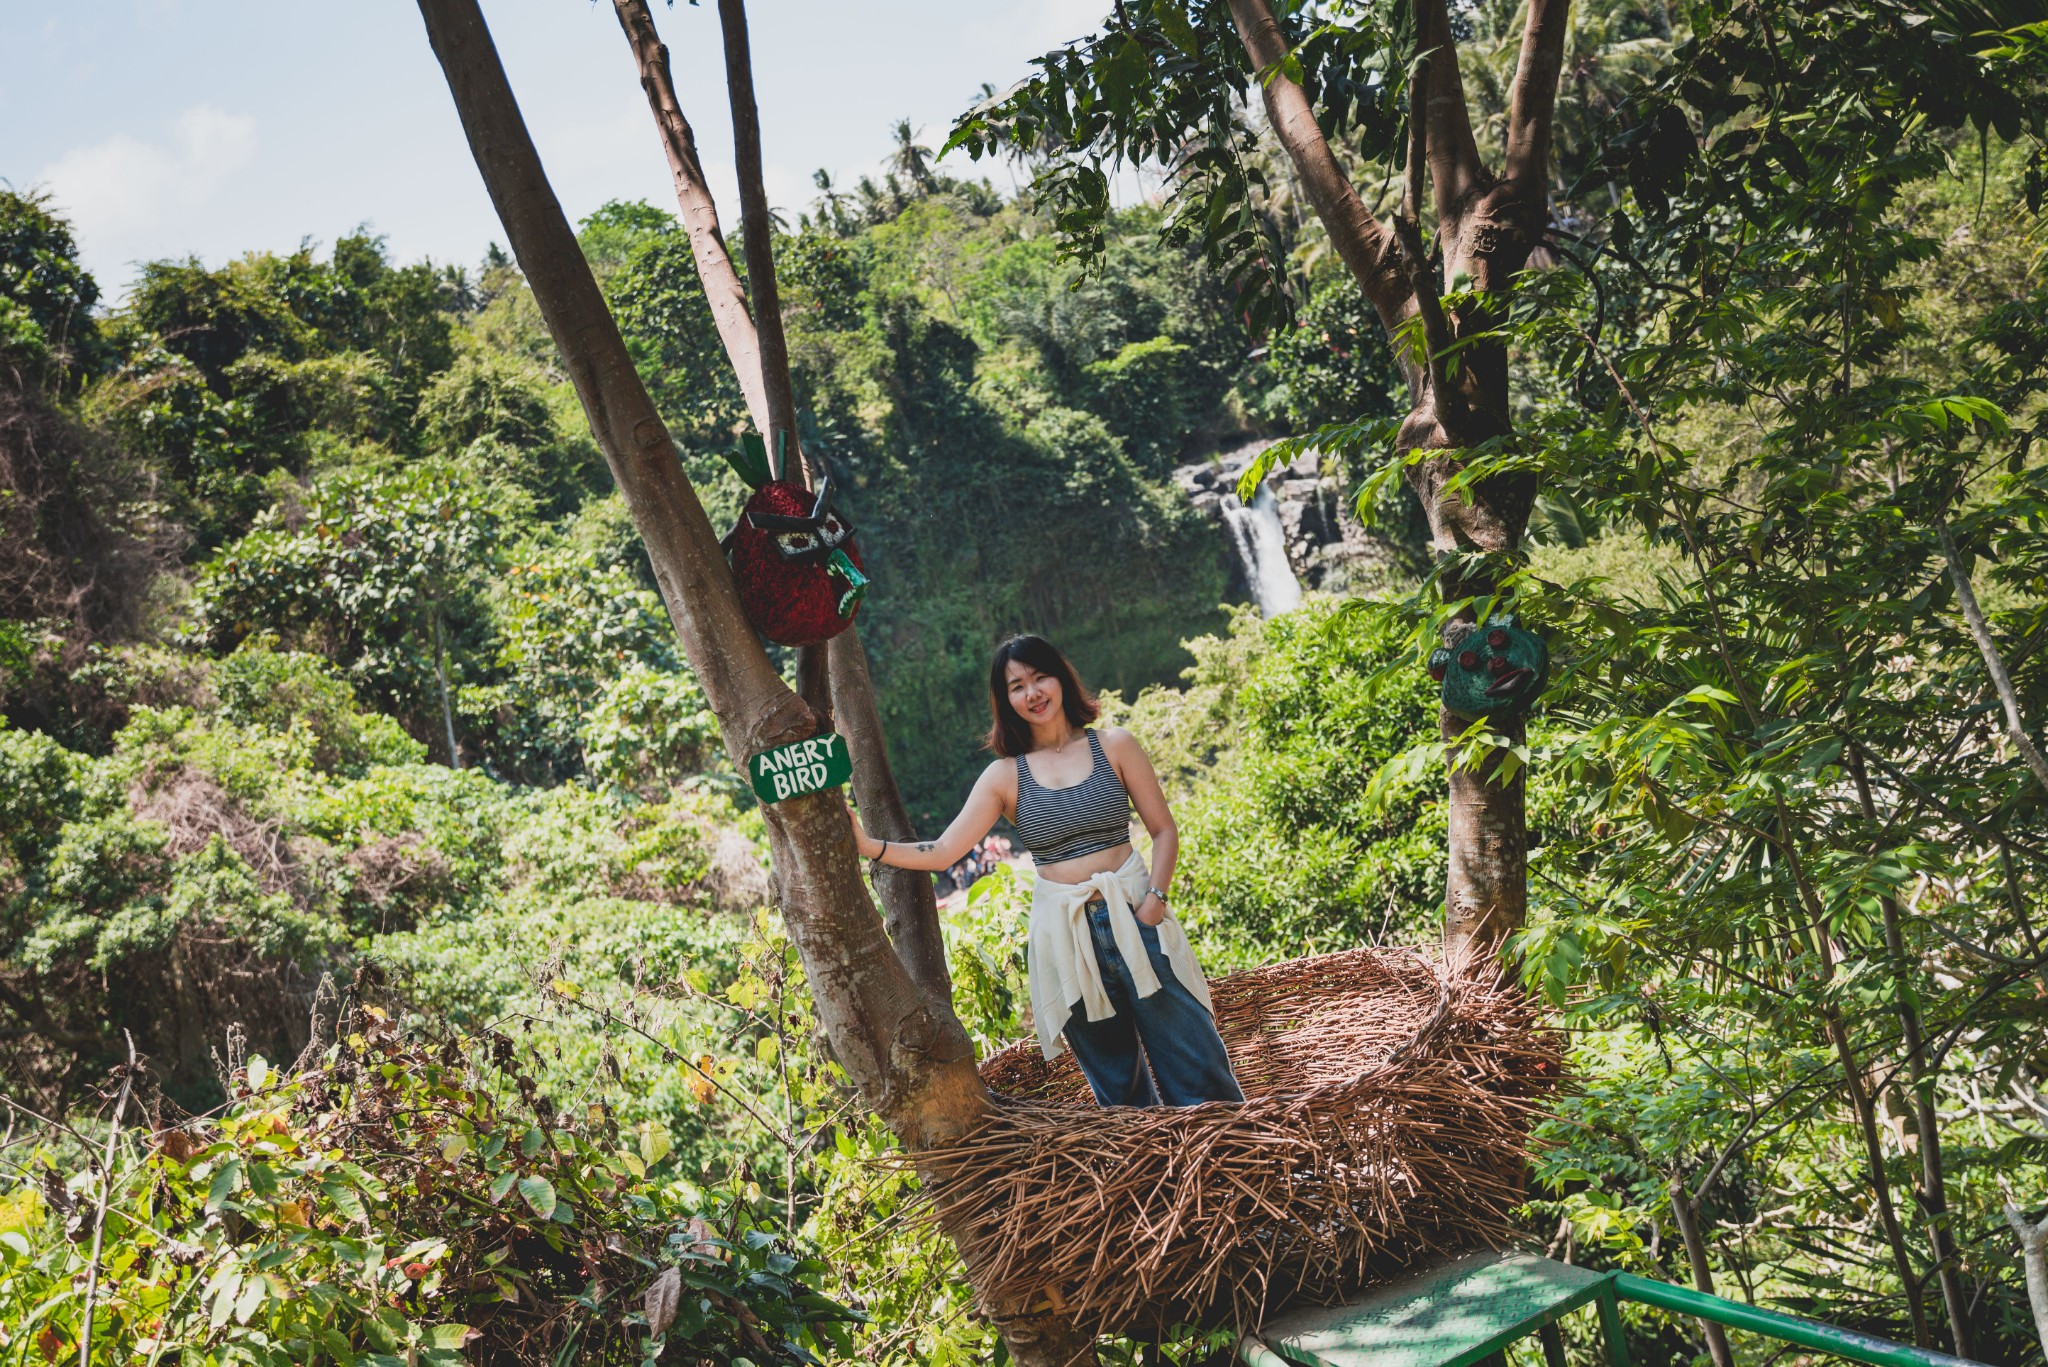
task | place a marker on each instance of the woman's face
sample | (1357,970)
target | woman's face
(1035,695)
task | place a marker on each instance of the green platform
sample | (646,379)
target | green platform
(1461,1313)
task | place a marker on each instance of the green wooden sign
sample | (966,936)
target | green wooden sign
(802,766)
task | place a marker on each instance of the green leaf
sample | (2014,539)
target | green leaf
(254,1292)
(501,1184)
(227,1179)
(446,1337)
(336,1345)
(1173,22)
(230,1283)
(345,1200)
(539,1193)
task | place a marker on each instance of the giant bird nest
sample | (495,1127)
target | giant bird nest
(1386,1119)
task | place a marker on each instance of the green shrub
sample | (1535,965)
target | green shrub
(408,1200)
(1154,394)
(648,731)
(260,686)
(1286,849)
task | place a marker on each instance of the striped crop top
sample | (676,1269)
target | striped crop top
(1066,823)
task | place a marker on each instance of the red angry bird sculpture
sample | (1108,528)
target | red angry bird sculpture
(793,557)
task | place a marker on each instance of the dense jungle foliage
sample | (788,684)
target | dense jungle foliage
(351,777)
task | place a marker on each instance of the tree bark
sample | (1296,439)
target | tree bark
(1486,227)
(722,287)
(1994,663)
(1933,1193)
(2034,1257)
(903,1049)
(909,1056)
(910,905)
(1688,1221)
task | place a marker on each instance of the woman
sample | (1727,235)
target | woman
(1111,970)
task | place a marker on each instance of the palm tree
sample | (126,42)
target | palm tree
(831,202)
(912,160)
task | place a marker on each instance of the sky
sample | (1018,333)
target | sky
(167,128)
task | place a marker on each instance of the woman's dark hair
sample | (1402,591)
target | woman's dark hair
(1008,733)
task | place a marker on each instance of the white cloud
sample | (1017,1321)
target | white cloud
(125,189)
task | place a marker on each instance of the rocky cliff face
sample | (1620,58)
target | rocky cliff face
(1326,547)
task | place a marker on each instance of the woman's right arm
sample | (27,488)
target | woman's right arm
(977,817)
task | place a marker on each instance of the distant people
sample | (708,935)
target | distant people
(1112,973)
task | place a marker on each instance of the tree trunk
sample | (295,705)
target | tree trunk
(2034,1257)
(722,287)
(757,233)
(910,905)
(903,1049)
(1487,225)
(1687,1218)
(1880,1181)
(1933,1193)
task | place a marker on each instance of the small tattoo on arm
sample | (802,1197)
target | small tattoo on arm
(924,847)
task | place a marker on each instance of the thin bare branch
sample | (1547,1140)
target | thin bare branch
(722,287)
(99,1219)
(758,240)
(1994,663)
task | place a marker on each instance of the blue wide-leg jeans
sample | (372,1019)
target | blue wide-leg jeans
(1161,1050)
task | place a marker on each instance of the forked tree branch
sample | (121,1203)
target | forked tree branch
(1444,400)
(1361,240)
(1532,99)
(907,1053)
(1454,164)
(910,906)
(722,287)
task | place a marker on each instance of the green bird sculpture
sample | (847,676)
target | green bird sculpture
(1497,669)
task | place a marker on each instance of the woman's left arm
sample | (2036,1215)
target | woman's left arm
(1134,767)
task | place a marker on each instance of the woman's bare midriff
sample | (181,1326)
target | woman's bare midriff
(1083,867)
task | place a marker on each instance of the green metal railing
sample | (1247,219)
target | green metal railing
(1826,1338)
(1467,1311)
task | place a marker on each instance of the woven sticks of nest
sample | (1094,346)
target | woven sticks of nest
(1385,1122)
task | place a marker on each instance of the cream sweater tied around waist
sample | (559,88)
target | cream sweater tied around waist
(1061,954)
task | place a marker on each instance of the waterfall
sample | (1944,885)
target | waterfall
(1262,550)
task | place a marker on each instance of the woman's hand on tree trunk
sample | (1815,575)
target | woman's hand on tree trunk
(867,845)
